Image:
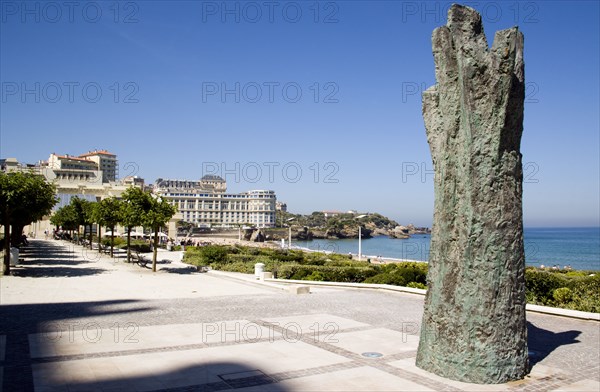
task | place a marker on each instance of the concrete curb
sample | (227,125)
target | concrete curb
(375,286)
(248,278)
(577,314)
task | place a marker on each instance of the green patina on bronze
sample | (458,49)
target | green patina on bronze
(474,326)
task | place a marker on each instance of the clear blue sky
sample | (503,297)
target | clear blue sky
(359,65)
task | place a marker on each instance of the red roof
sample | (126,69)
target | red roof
(97,152)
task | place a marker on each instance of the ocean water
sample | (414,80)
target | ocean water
(576,247)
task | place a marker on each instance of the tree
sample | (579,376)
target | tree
(157,212)
(85,212)
(183,225)
(108,214)
(66,218)
(24,199)
(132,212)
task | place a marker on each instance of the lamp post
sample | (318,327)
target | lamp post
(360,237)
(290,232)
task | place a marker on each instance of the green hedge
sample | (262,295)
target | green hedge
(578,290)
(142,248)
(237,266)
(206,255)
(324,272)
(118,241)
(241,258)
(402,274)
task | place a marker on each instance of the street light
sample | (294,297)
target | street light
(290,233)
(360,237)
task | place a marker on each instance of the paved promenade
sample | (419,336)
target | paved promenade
(71,320)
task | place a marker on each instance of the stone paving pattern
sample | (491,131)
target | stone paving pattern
(72,320)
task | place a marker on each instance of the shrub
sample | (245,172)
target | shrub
(242,267)
(212,254)
(562,295)
(118,241)
(138,246)
(252,251)
(586,293)
(348,263)
(572,290)
(315,276)
(241,258)
(401,274)
(326,273)
(417,285)
(193,259)
(540,285)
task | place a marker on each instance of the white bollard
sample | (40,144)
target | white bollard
(258,270)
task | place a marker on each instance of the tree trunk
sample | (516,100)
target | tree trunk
(99,238)
(155,249)
(16,233)
(7,248)
(129,244)
(91,237)
(112,240)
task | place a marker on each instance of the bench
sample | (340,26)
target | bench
(140,260)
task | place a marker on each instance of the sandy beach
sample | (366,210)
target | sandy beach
(233,241)
(277,245)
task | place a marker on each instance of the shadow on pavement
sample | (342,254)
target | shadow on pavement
(18,321)
(180,270)
(54,272)
(45,259)
(212,376)
(542,342)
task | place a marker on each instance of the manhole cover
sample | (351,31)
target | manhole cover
(372,355)
(244,379)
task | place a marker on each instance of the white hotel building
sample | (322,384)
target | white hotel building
(205,203)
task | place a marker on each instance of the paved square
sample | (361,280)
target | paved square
(72,322)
